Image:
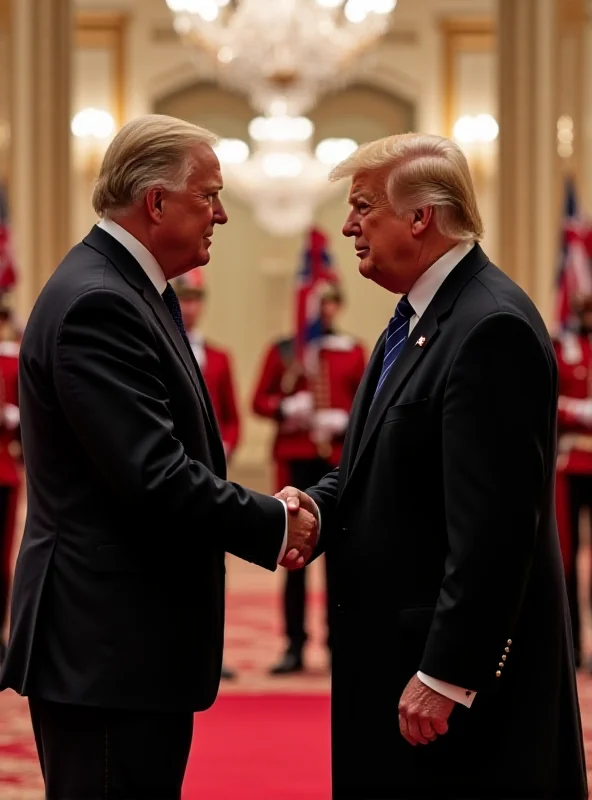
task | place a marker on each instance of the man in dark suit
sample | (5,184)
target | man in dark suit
(440,518)
(118,603)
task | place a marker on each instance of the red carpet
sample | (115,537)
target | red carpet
(261,747)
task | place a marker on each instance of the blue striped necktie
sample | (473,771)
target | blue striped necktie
(396,336)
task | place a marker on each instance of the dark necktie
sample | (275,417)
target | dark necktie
(171,301)
(396,336)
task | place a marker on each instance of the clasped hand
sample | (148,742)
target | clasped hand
(303,527)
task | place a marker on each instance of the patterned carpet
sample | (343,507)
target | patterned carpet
(253,642)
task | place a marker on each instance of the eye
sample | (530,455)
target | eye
(362,206)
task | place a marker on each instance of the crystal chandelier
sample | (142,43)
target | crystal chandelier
(282,180)
(293,48)
(282,54)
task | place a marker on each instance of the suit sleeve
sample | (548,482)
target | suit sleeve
(109,381)
(497,445)
(229,424)
(325,496)
(268,393)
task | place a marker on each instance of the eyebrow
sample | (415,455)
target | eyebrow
(356,196)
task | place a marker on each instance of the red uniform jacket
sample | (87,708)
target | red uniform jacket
(574,359)
(10,473)
(341,365)
(9,470)
(216,368)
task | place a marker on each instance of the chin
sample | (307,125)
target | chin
(202,259)
(366,268)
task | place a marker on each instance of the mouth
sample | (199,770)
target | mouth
(362,252)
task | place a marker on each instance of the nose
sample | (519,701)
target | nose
(350,226)
(220,215)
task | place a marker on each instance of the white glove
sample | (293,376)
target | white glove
(580,409)
(329,423)
(12,416)
(297,410)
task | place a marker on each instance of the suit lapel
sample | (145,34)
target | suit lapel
(416,346)
(366,415)
(133,273)
(165,320)
(360,407)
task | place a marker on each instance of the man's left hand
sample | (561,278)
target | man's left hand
(423,713)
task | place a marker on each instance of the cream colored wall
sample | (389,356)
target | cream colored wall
(4,88)
(586,188)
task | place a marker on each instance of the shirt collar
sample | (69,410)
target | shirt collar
(196,338)
(426,286)
(142,255)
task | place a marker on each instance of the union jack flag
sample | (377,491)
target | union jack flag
(315,272)
(574,278)
(7,266)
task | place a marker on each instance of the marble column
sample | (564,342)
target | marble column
(541,44)
(40,140)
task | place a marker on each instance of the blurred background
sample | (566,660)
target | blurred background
(291,87)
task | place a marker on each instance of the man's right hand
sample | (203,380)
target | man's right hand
(300,506)
(302,539)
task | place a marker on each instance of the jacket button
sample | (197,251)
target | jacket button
(344,530)
(498,674)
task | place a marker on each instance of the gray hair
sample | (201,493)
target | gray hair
(149,151)
(425,170)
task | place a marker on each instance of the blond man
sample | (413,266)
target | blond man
(118,603)
(453,668)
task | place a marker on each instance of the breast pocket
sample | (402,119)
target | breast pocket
(407,411)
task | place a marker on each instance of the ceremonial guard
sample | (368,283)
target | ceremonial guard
(215,365)
(10,465)
(574,464)
(310,399)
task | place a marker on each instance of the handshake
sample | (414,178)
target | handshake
(303,527)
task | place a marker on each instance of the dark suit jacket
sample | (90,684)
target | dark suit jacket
(118,595)
(440,524)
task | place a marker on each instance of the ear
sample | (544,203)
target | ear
(421,219)
(155,204)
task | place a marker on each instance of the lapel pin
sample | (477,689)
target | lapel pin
(421,341)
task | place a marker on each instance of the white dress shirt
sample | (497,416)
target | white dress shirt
(420,296)
(154,271)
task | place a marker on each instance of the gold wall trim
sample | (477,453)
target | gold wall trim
(107,31)
(462,35)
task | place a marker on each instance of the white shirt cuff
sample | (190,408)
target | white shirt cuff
(285,541)
(463,696)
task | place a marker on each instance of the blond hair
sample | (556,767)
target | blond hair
(149,151)
(425,170)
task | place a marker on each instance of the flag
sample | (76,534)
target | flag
(574,275)
(7,266)
(315,272)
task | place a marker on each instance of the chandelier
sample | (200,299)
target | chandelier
(282,54)
(282,180)
(293,48)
